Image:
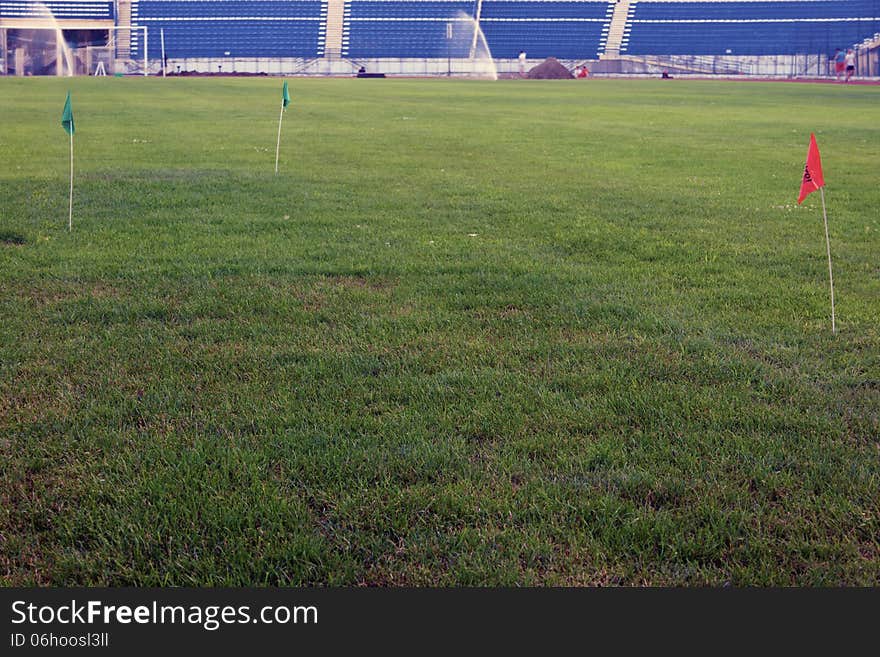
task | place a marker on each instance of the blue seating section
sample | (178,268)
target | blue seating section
(565,30)
(518,9)
(230,8)
(423,9)
(756,10)
(218,39)
(741,38)
(748,28)
(543,28)
(377,28)
(539,39)
(242,28)
(406,38)
(60,9)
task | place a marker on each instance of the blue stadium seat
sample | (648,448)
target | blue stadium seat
(567,29)
(391,28)
(748,28)
(243,28)
(60,9)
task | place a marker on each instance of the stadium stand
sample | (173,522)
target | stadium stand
(224,28)
(747,28)
(204,33)
(376,28)
(60,10)
(559,28)
(565,30)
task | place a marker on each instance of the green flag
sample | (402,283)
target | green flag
(67,116)
(285,96)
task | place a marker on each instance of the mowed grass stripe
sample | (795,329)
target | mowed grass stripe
(473,333)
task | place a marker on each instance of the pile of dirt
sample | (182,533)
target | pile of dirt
(549,69)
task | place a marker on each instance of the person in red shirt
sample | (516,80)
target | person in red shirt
(839,60)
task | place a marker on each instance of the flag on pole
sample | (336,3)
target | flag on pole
(813,178)
(67,116)
(67,124)
(285,101)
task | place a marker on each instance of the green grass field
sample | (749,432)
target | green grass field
(474,333)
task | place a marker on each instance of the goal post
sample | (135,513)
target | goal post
(125,52)
(40,47)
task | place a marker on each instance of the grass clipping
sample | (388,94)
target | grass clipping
(549,69)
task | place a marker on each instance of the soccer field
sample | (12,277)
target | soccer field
(473,333)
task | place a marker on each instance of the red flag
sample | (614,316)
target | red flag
(813,178)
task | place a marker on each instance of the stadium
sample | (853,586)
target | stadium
(436,37)
(270,319)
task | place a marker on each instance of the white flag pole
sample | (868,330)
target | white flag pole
(70,206)
(828,247)
(278,145)
(162,40)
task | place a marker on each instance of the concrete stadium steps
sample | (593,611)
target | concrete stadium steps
(123,37)
(616,29)
(334,25)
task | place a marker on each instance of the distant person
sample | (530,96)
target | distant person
(839,60)
(362,70)
(522,62)
(850,61)
(584,72)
